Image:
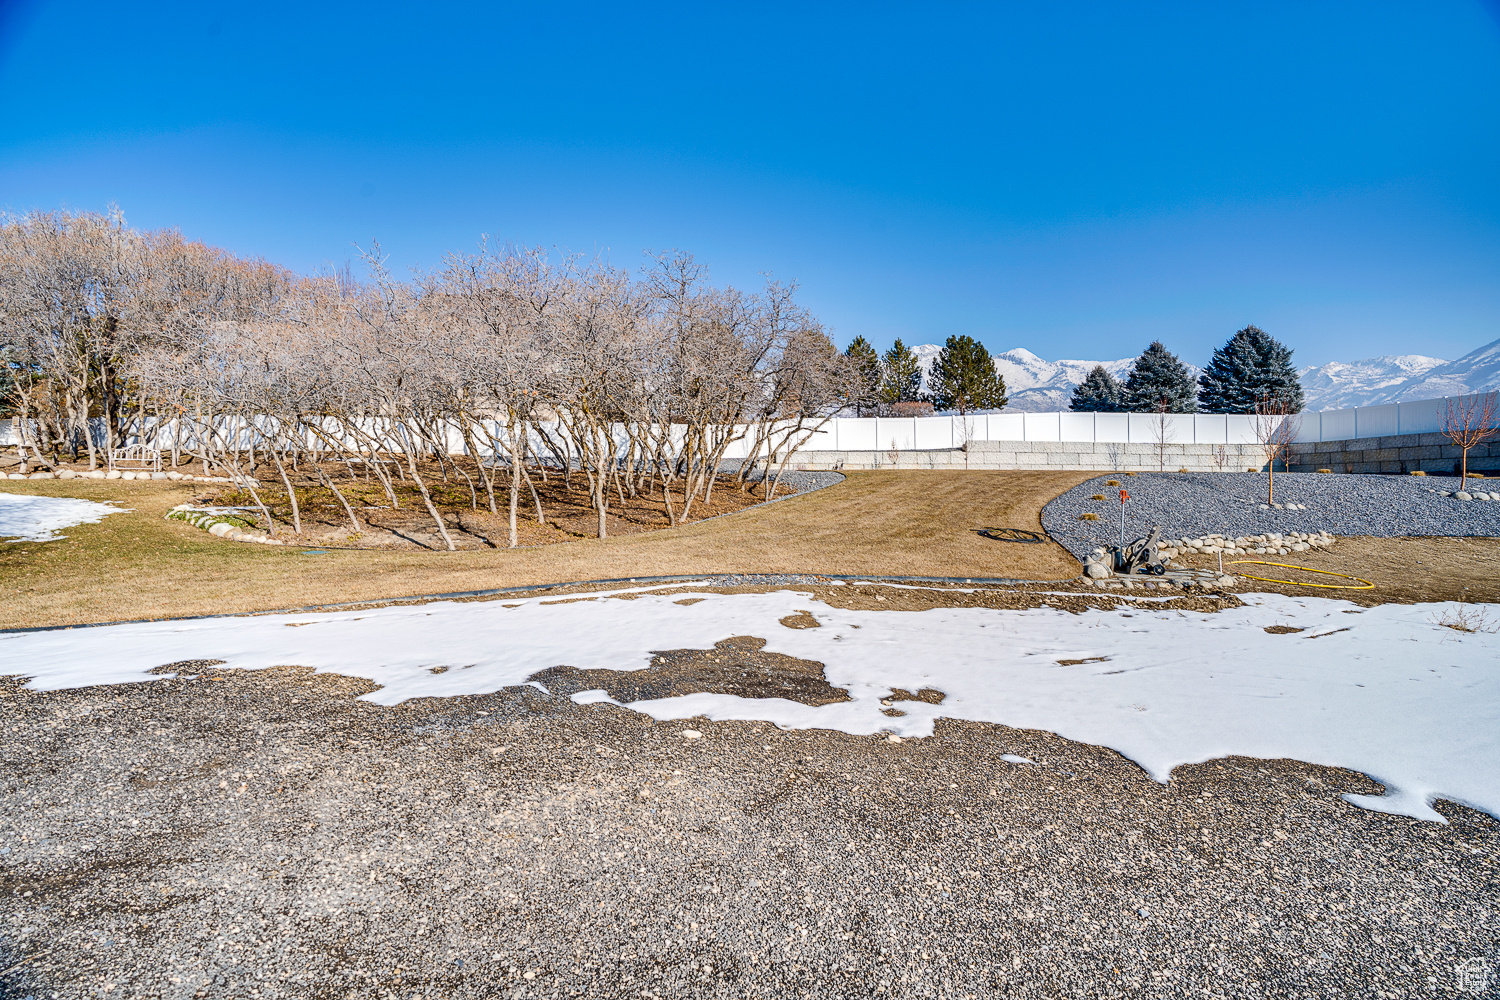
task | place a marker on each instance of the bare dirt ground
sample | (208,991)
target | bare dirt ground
(561,509)
(264,834)
(1404,570)
(137,565)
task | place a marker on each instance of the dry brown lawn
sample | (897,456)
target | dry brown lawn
(139,565)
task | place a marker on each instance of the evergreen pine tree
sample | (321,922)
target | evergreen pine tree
(1252,366)
(1099,392)
(964,378)
(901,375)
(1159,382)
(866,364)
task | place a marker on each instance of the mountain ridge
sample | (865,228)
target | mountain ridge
(1036,385)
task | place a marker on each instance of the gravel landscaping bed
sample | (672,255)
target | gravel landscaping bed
(1233,503)
(797,483)
(264,834)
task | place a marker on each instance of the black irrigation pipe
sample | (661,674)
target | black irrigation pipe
(706,579)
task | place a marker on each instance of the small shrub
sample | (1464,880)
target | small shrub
(1182,470)
(1418,472)
(1466,618)
(1325,470)
(1088,517)
(1098,496)
(1130,473)
(1112,482)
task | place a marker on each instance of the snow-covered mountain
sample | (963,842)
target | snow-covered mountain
(1396,378)
(1036,385)
(1477,371)
(1341,384)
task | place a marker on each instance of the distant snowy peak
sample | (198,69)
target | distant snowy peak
(1037,385)
(1340,384)
(1477,371)
(1397,378)
(1034,384)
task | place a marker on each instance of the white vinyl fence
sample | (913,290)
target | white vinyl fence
(845,434)
(1423,416)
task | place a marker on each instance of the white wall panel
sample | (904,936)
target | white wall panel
(858,434)
(1007,427)
(896,432)
(1043,426)
(1422,416)
(1377,421)
(1338,425)
(824,438)
(1211,428)
(1112,428)
(1076,426)
(937,432)
(1240,428)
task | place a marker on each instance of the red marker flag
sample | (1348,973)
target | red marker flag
(1124,496)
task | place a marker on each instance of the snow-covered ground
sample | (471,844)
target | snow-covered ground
(1384,690)
(38,519)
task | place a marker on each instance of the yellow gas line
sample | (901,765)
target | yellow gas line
(1364,584)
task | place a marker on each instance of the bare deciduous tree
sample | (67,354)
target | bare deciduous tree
(499,364)
(1275,423)
(1468,421)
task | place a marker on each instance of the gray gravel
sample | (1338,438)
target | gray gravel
(263,834)
(795,483)
(1192,503)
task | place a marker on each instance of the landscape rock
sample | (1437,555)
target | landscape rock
(1463,495)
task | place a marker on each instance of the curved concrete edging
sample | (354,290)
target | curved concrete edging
(212,523)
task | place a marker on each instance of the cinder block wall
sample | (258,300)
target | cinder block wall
(1047,455)
(1399,454)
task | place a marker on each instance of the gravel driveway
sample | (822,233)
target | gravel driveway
(1198,503)
(264,834)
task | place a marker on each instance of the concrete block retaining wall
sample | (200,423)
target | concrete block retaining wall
(1045,455)
(1399,454)
(1396,454)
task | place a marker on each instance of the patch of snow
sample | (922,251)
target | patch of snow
(25,518)
(1386,692)
(1015,758)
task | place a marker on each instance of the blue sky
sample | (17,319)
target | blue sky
(1076,179)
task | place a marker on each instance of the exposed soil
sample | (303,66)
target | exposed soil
(566,508)
(240,834)
(1404,570)
(734,666)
